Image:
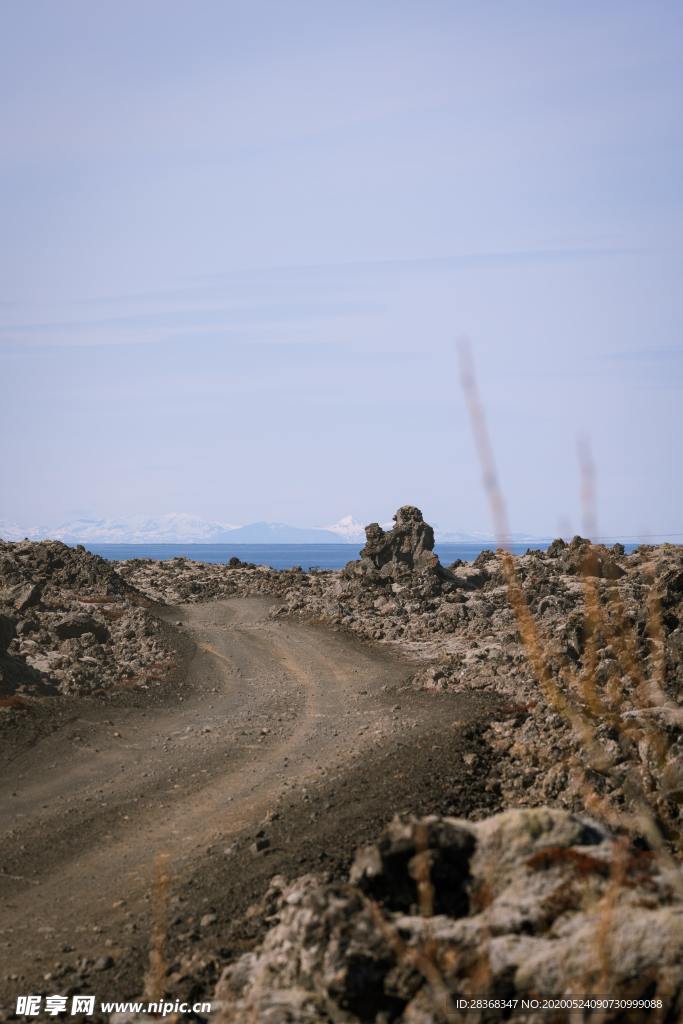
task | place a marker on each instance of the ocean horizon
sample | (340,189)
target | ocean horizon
(284,556)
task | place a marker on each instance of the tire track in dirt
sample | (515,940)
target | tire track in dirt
(86,819)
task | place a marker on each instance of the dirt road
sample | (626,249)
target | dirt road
(286,744)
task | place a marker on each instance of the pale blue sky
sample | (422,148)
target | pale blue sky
(240,241)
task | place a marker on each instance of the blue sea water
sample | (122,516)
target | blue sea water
(278,556)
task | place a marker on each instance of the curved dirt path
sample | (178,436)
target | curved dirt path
(270,709)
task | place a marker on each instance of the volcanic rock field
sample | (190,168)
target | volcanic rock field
(349,795)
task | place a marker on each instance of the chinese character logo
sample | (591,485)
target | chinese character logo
(29,1006)
(55,1005)
(83,1004)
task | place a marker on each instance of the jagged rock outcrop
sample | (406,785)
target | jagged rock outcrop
(527,903)
(70,624)
(12,670)
(582,558)
(408,547)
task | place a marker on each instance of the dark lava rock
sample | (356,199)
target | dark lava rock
(76,625)
(408,547)
(237,563)
(390,871)
(582,558)
(7,632)
(556,548)
(23,596)
(538,880)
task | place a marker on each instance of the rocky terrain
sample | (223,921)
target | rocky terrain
(578,651)
(70,624)
(609,626)
(522,903)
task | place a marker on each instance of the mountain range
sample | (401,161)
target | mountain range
(181,528)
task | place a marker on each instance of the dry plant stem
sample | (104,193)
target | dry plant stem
(608,903)
(627,658)
(624,644)
(599,622)
(615,630)
(655,630)
(593,616)
(230,1015)
(224,1005)
(586,677)
(421,870)
(155,979)
(527,626)
(424,960)
(531,642)
(226,1010)
(631,731)
(650,690)
(588,489)
(525,622)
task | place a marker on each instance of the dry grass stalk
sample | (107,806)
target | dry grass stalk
(598,708)
(433,962)
(226,1010)
(422,957)
(155,979)
(599,623)
(526,624)
(655,631)
(618,871)
(595,711)
(421,870)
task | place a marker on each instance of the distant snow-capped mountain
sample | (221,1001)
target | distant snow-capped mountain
(182,528)
(179,528)
(348,530)
(459,537)
(176,527)
(11,531)
(281,533)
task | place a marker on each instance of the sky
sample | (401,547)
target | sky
(241,241)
